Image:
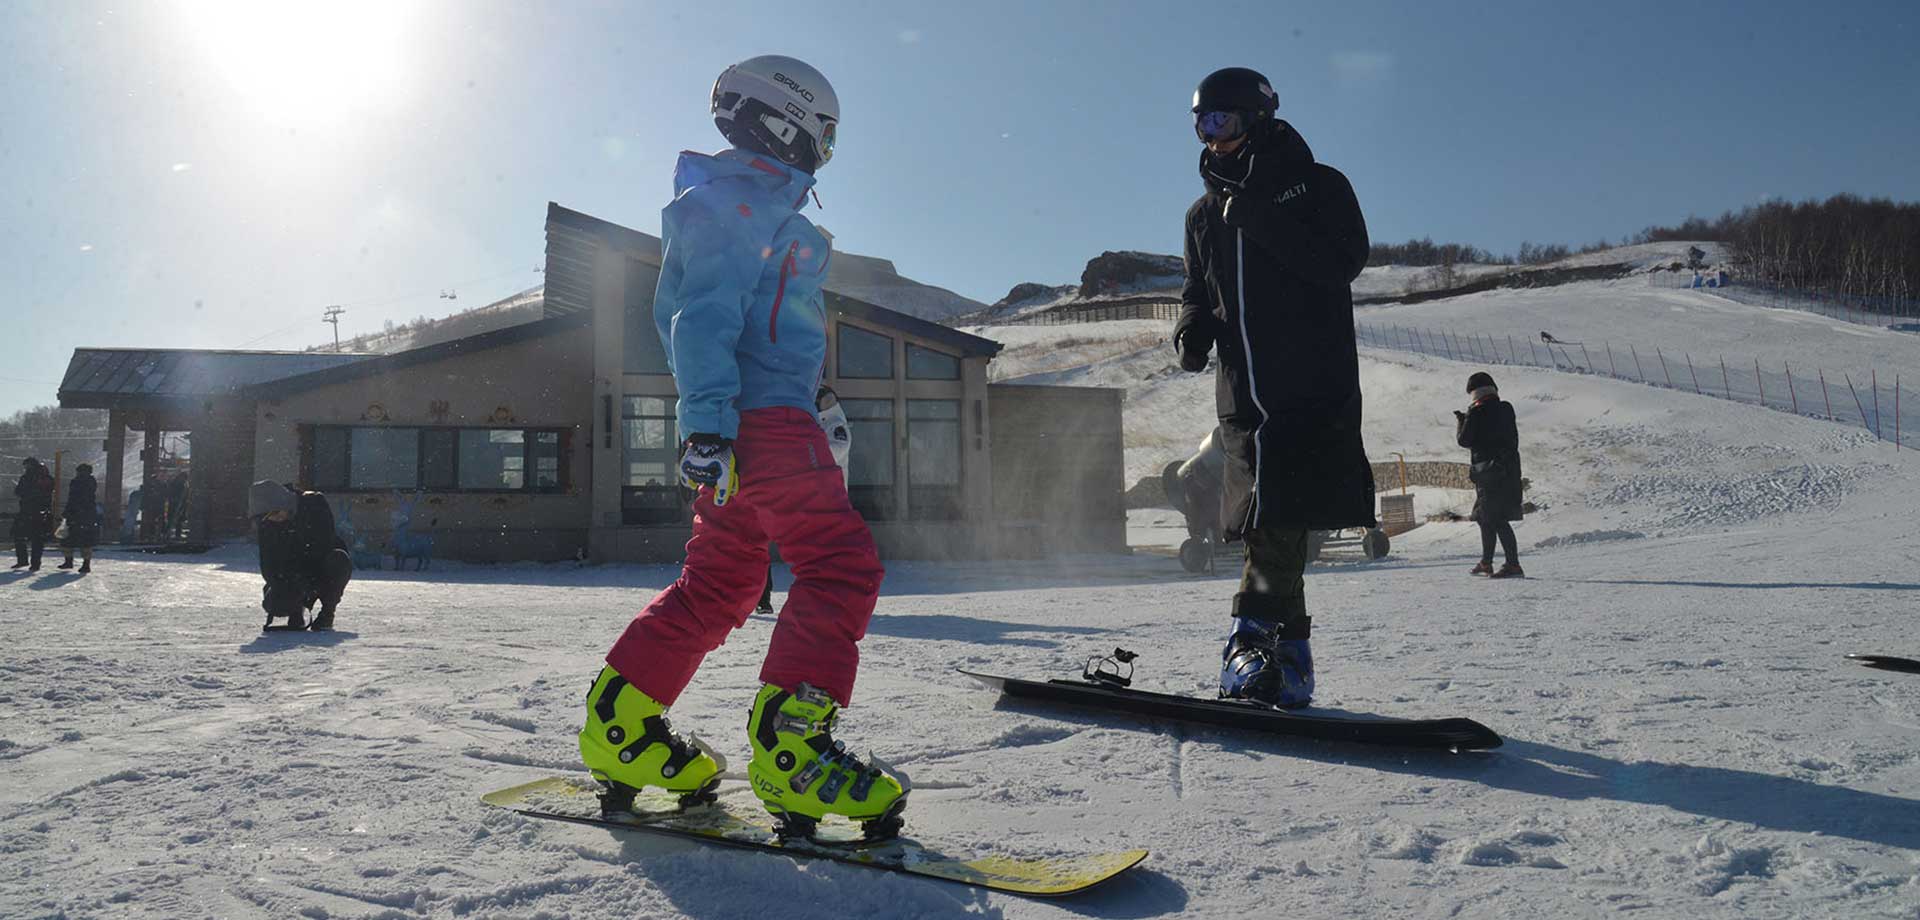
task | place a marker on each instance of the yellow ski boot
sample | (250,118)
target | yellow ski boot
(629,746)
(802,775)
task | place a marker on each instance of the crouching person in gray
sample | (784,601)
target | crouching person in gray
(301,557)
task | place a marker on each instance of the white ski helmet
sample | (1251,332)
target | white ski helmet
(778,106)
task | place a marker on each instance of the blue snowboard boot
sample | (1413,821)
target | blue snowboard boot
(1268,663)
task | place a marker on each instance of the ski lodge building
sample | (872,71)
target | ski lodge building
(556,439)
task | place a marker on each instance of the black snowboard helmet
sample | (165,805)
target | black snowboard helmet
(1238,91)
(1478,380)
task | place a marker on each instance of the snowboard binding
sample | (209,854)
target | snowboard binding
(873,832)
(619,798)
(1106,669)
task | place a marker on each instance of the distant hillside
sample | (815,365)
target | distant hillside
(523,307)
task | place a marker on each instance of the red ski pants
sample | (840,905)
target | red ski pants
(792,493)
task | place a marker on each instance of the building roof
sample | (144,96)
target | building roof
(160,378)
(574,237)
(380,364)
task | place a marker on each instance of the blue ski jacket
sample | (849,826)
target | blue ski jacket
(739,306)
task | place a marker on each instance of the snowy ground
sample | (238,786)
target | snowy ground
(1684,738)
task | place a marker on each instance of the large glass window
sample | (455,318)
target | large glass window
(865,355)
(493,459)
(927,364)
(651,493)
(383,458)
(329,459)
(933,459)
(870,474)
(437,458)
(372,459)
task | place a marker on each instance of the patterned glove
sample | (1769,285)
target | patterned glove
(707,460)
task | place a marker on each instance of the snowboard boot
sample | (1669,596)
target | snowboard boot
(1509,570)
(629,745)
(1268,663)
(801,774)
(1484,568)
(324,621)
(65,565)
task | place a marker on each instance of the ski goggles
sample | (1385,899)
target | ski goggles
(1219,126)
(828,132)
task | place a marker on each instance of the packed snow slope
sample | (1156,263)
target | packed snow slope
(1684,737)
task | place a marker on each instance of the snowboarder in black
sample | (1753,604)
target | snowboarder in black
(1487,429)
(82,515)
(1271,249)
(301,557)
(34,519)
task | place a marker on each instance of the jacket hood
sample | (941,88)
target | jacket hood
(779,180)
(1279,151)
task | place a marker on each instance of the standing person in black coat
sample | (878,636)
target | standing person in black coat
(82,515)
(301,557)
(1487,429)
(1272,248)
(34,520)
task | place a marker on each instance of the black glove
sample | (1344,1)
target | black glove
(1459,415)
(1193,345)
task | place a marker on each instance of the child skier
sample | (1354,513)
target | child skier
(740,311)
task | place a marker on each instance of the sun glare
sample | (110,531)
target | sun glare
(303,62)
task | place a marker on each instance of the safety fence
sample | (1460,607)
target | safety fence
(1133,308)
(1870,401)
(1901,313)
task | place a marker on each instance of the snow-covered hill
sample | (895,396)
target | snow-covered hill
(1684,738)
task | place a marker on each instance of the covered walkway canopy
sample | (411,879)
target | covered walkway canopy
(201,392)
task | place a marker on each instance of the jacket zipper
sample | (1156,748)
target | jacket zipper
(780,293)
(1253,383)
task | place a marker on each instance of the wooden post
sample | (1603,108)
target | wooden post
(1690,373)
(1587,358)
(1896,411)
(1790,392)
(1762,384)
(1876,401)
(1668,373)
(1613,370)
(1642,374)
(110,497)
(1511,351)
(1724,388)
(1448,343)
(1823,393)
(1535,351)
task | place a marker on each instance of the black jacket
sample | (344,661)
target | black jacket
(35,492)
(1271,250)
(81,508)
(297,549)
(1490,433)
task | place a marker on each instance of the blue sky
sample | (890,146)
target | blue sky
(214,174)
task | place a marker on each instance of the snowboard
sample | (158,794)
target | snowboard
(1113,694)
(1888,663)
(746,825)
